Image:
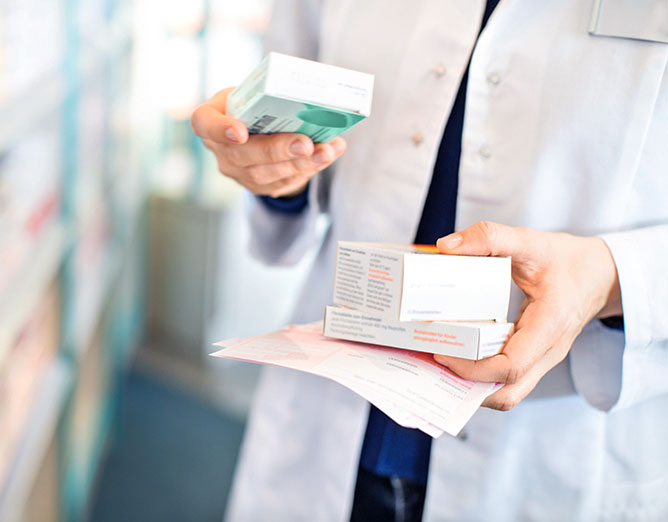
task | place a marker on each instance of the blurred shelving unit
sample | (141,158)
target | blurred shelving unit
(72,262)
(201,295)
(94,116)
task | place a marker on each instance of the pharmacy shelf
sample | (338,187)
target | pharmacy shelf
(36,437)
(110,44)
(30,284)
(22,112)
(110,272)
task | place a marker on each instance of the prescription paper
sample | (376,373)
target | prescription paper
(409,387)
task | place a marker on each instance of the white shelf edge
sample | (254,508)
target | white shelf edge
(30,283)
(38,431)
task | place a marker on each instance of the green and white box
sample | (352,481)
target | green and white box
(289,94)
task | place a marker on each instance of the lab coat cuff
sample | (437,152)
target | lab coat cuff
(634,282)
(639,256)
(614,369)
(279,238)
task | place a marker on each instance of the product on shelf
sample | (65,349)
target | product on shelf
(21,372)
(31,45)
(30,194)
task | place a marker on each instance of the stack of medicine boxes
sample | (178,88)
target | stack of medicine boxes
(413,298)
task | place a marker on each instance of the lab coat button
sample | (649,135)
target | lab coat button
(417,138)
(463,435)
(439,70)
(494,79)
(485,152)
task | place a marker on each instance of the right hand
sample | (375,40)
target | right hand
(266,164)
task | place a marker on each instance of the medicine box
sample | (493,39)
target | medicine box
(289,94)
(469,340)
(409,283)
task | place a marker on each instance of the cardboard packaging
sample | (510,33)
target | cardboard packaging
(408,283)
(289,94)
(469,340)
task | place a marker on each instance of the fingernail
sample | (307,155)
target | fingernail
(320,157)
(450,242)
(231,134)
(337,145)
(297,148)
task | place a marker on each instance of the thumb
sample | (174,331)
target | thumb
(210,121)
(486,238)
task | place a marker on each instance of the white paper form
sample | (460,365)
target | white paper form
(410,387)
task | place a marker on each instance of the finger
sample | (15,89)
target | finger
(324,154)
(285,186)
(305,169)
(511,395)
(536,333)
(339,145)
(260,176)
(487,238)
(264,149)
(210,121)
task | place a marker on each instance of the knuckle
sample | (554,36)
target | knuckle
(234,155)
(489,230)
(280,188)
(507,403)
(195,119)
(514,373)
(223,166)
(271,149)
(286,183)
(320,167)
(228,172)
(302,167)
(255,175)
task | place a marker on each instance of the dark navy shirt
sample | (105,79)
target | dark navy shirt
(390,449)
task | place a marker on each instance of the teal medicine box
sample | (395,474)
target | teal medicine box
(289,94)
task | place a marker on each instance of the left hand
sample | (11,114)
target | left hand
(568,281)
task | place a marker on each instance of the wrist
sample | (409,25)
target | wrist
(611,296)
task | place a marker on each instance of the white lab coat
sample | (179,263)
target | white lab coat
(563,131)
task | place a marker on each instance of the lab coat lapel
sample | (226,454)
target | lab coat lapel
(423,88)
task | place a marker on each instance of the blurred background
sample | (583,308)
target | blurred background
(122,258)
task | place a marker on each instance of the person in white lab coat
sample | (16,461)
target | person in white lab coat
(564,167)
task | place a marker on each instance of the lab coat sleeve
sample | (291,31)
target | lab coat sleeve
(278,238)
(294,28)
(640,367)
